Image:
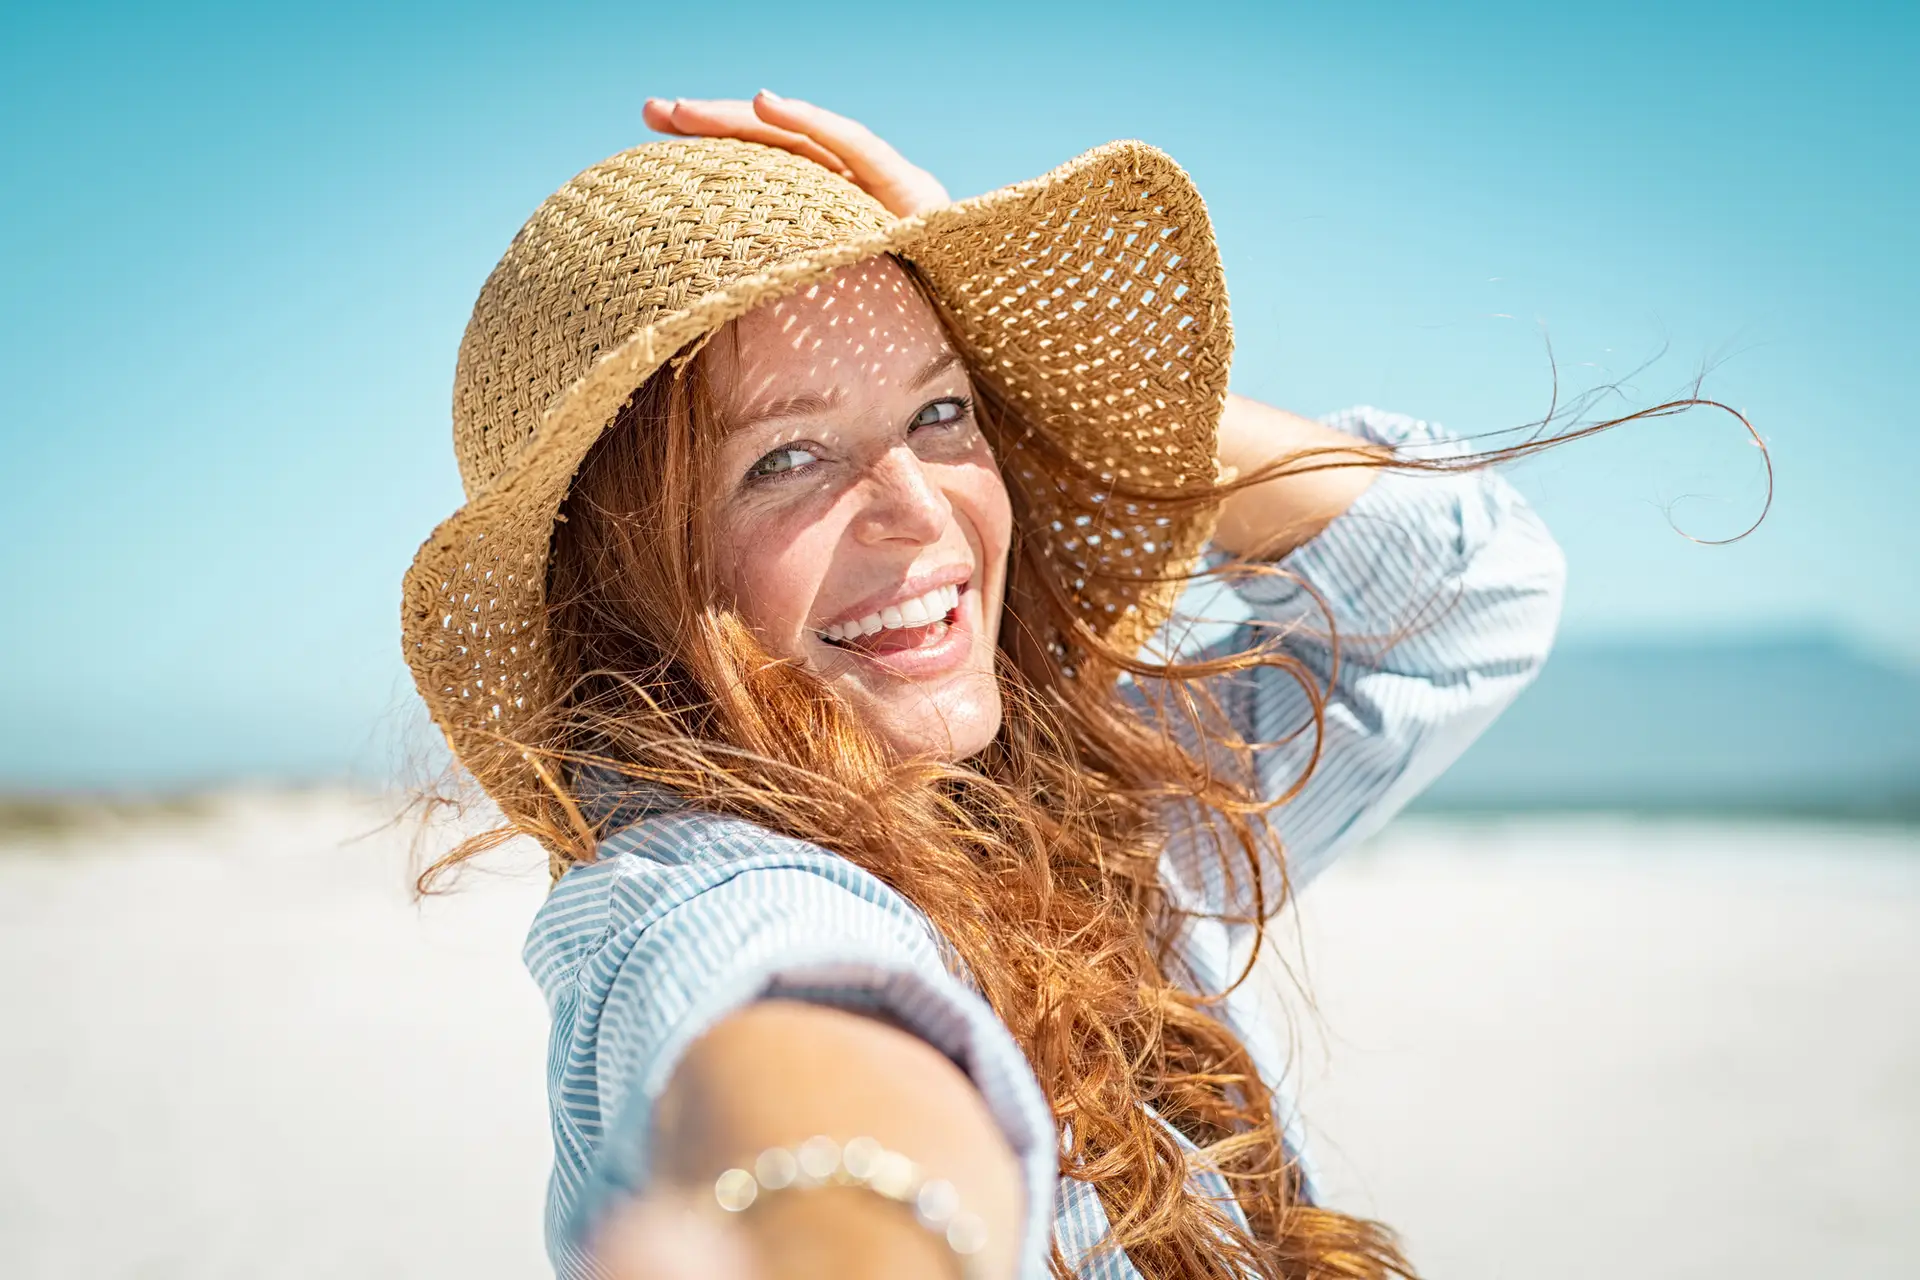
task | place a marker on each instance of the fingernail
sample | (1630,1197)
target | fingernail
(770,95)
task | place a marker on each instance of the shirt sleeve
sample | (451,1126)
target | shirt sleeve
(1443,592)
(688,940)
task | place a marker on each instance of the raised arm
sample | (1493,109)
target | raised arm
(1420,604)
(1272,518)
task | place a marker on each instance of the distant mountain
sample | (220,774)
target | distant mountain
(1794,724)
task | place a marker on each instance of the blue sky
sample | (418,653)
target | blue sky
(241,242)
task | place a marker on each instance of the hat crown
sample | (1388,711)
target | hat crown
(629,242)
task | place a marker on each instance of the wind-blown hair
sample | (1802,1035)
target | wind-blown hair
(1038,860)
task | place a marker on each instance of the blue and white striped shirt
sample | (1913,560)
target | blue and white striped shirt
(1445,592)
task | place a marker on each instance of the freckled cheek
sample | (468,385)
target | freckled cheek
(771,571)
(989,510)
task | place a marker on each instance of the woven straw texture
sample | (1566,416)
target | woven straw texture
(1090,298)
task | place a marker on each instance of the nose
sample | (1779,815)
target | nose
(902,501)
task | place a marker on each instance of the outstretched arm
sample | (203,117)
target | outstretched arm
(774,1074)
(720,990)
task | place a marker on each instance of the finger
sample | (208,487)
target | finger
(658,113)
(874,163)
(864,151)
(732,118)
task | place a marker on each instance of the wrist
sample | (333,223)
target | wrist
(840,1233)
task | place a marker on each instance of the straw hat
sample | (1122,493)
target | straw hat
(1090,298)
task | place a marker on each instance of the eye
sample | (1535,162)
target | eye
(951,409)
(780,462)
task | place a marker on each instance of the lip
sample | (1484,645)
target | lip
(953,575)
(923,664)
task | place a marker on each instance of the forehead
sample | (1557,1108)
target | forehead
(865,329)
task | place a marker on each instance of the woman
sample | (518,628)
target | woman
(813,604)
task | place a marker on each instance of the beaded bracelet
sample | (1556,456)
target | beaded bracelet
(864,1163)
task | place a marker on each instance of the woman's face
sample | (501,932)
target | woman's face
(859,523)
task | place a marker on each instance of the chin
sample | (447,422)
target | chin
(953,732)
(973,737)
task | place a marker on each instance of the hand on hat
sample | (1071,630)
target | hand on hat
(845,146)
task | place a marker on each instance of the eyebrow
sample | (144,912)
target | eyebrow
(808,403)
(934,368)
(801,404)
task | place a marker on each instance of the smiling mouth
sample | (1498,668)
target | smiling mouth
(912,624)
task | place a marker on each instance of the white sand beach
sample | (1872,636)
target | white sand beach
(1549,1048)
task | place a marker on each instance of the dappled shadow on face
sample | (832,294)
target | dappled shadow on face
(851,343)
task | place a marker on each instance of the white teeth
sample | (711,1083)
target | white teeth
(917,612)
